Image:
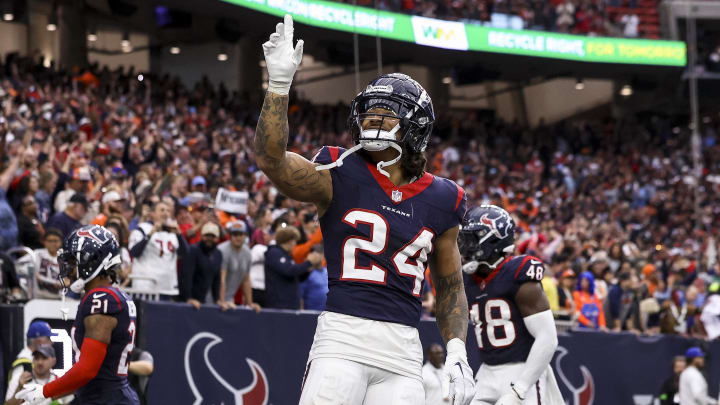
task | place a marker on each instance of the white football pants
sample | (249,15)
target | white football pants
(492,382)
(331,381)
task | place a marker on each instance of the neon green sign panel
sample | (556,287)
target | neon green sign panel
(459,36)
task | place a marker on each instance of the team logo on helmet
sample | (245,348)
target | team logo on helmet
(500,226)
(95,233)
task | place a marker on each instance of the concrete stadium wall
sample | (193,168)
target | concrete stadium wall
(342,88)
(557,99)
(13,38)
(109,40)
(552,100)
(196,61)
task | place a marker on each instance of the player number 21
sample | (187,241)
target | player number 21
(409,261)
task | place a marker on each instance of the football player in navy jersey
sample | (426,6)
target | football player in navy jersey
(514,326)
(103,334)
(384,220)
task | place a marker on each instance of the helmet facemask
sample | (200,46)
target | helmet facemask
(412,114)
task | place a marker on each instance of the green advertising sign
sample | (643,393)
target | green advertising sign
(456,35)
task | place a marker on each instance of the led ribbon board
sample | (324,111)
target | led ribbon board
(472,37)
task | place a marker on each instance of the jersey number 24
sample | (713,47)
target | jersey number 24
(409,260)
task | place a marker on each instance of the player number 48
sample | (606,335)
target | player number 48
(499,326)
(535,271)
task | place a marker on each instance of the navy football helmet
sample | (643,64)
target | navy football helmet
(407,100)
(91,250)
(487,236)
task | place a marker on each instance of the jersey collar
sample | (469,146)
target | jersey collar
(399,194)
(484,281)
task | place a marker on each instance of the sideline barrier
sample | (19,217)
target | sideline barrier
(240,357)
(462,36)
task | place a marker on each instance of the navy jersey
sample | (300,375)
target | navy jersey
(377,238)
(114,370)
(499,327)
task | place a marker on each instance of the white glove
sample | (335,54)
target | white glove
(470,267)
(510,398)
(280,58)
(458,383)
(31,393)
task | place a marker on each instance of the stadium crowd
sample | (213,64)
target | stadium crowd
(602,18)
(607,204)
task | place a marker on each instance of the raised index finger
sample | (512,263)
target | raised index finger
(289,27)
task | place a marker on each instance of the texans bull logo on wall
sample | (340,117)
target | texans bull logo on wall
(582,394)
(209,387)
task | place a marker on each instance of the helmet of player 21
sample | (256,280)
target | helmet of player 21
(487,235)
(89,250)
(408,101)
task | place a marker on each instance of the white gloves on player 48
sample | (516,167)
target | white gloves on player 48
(31,393)
(281,58)
(458,381)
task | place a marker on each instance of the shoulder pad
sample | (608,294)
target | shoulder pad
(103,301)
(454,194)
(327,154)
(527,268)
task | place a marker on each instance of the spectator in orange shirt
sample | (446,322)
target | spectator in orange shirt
(310,236)
(650,278)
(589,309)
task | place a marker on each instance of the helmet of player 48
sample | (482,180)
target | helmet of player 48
(487,236)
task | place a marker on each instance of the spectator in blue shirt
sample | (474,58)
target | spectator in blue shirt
(282,275)
(621,304)
(69,220)
(314,290)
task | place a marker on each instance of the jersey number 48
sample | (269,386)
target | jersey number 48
(409,260)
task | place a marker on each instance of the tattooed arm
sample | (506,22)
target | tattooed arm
(451,307)
(291,173)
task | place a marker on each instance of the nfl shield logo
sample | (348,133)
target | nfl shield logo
(396,195)
(483,284)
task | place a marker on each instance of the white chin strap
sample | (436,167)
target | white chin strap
(471,267)
(362,145)
(380,165)
(375,140)
(64,310)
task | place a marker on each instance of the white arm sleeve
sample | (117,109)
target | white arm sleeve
(542,327)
